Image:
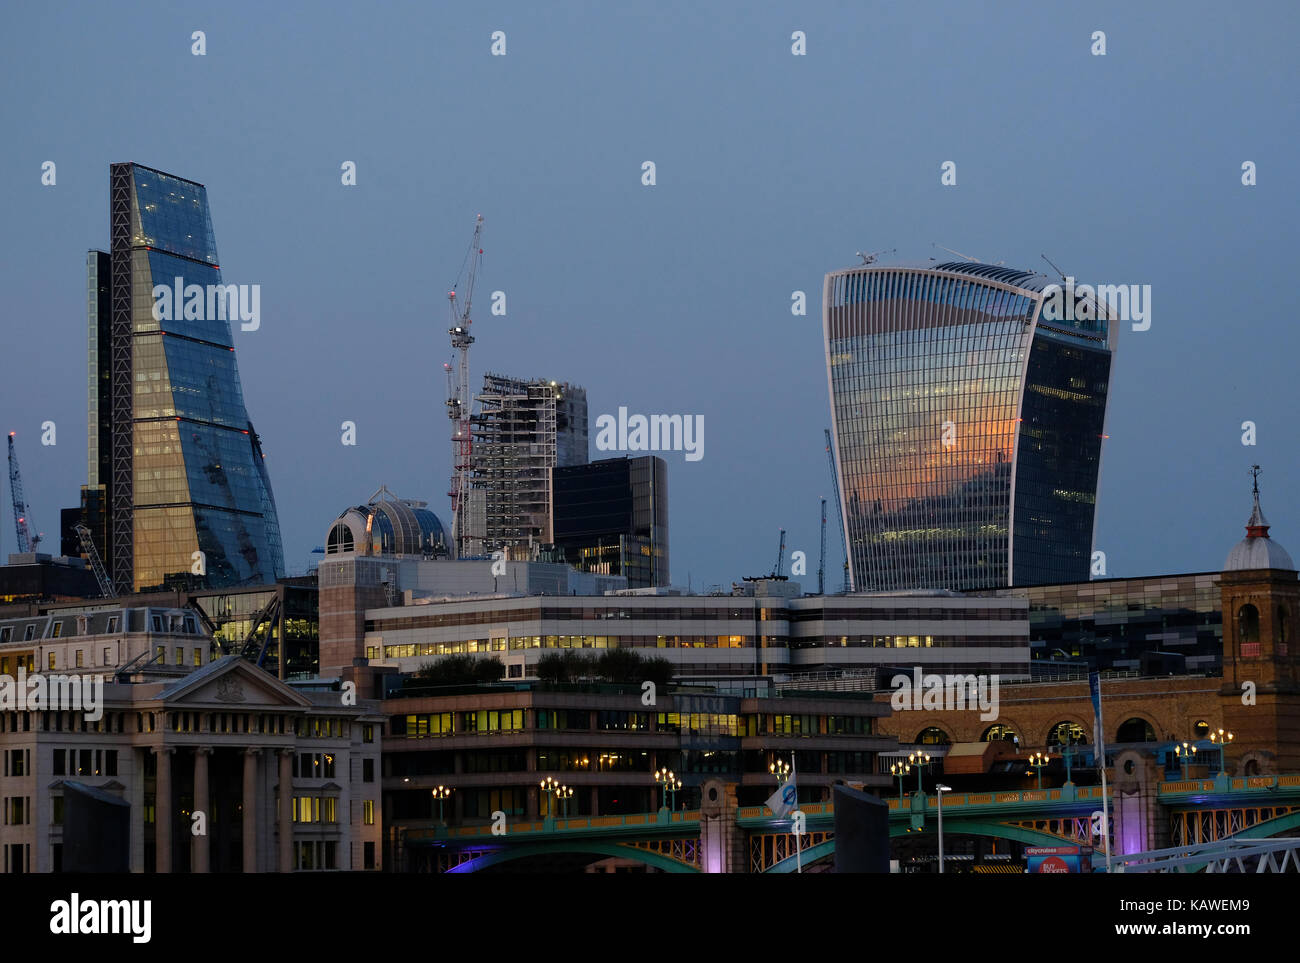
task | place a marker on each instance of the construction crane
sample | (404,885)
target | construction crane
(839,510)
(821,566)
(780,556)
(458,400)
(106,588)
(27,542)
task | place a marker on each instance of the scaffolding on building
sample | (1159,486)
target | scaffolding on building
(514,450)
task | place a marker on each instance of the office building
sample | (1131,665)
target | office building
(611,516)
(522,430)
(853,641)
(175,467)
(967,425)
(491,746)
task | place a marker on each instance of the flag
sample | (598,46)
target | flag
(1094,691)
(785,800)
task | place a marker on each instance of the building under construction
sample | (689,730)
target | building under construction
(521,431)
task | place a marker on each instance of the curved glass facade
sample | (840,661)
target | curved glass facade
(968,435)
(193,478)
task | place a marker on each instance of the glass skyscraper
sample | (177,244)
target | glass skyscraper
(175,466)
(967,426)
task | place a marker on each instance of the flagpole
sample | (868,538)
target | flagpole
(798,838)
(1099,736)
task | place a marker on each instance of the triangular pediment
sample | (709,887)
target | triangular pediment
(229,684)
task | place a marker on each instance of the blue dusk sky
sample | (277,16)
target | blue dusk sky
(771,169)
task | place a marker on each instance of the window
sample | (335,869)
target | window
(6,634)
(112,623)
(157,623)
(369,850)
(108,654)
(58,629)
(1248,631)
(189,625)
(180,655)
(368,812)
(367,770)
(30,633)
(198,656)
(51,660)
(81,659)
(368,733)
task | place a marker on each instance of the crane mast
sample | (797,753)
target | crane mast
(458,399)
(106,589)
(27,542)
(821,566)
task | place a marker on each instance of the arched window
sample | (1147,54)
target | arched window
(933,736)
(1135,730)
(1282,628)
(1201,730)
(1067,734)
(340,539)
(995,732)
(1248,630)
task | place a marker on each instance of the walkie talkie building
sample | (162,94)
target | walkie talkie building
(968,428)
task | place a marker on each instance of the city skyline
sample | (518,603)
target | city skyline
(615,285)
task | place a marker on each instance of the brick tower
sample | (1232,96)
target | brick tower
(1261,597)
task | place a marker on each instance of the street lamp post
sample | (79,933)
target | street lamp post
(1038,761)
(1185,751)
(549,786)
(939,790)
(899,770)
(565,793)
(1221,739)
(669,783)
(440,794)
(918,760)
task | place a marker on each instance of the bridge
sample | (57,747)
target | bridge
(1192,816)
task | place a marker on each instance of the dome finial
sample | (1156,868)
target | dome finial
(1257,526)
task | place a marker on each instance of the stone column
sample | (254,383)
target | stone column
(163,811)
(200,847)
(286,811)
(250,810)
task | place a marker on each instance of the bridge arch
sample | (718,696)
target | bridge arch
(934,735)
(510,853)
(1129,716)
(980,827)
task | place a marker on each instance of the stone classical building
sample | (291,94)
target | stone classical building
(224,769)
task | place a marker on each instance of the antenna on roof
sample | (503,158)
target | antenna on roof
(951,251)
(1057,269)
(871,258)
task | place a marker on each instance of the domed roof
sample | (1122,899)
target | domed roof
(1257,550)
(387,526)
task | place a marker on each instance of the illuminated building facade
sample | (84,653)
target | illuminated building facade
(967,426)
(175,466)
